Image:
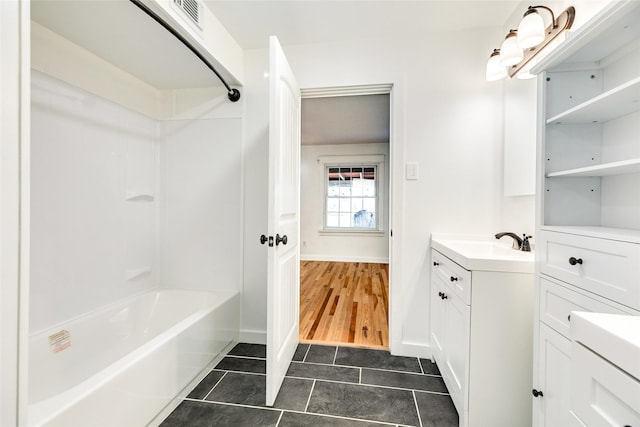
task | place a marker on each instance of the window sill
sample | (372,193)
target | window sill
(350,232)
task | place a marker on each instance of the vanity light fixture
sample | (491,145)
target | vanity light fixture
(495,71)
(522,45)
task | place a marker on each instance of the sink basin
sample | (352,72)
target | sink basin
(615,337)
(485,255)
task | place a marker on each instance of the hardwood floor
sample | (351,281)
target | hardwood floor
(346,303)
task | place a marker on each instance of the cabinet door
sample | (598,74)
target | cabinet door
(554,379)
(603,395)
(438,306)
(456,355)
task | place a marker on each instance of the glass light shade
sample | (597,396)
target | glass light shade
(495,71)
(510,53)
(531,30)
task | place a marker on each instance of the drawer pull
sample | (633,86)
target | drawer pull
(454,279)
(574,261)
(436,263)
(536,393)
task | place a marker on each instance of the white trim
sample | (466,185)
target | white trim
(396,190)
(376,160)
(327,92)
(410,349)
(337,258)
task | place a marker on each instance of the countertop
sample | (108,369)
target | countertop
(484,254)
(615,337)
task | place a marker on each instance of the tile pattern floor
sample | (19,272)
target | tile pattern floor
(324,386)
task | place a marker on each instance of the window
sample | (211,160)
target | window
(351,197)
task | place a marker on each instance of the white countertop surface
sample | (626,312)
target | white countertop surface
(615,337)
(484,254)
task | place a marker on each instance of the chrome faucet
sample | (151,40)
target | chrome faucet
(520,244)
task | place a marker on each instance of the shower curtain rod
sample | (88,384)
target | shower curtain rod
(232,94)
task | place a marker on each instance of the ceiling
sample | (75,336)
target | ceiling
(345,120)
(251,22)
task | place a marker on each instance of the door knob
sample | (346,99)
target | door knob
(282,239)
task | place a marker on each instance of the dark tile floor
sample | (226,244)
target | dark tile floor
(325,386)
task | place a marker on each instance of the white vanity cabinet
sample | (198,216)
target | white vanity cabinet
(588,195)
(481,326)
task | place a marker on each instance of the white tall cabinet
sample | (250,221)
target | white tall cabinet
(588,203)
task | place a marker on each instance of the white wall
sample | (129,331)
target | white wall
(14,137)
(87,155)
(347,247)
(450,122)
(201,195)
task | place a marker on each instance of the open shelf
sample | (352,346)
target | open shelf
(605,169)
(611,233)
(617,102)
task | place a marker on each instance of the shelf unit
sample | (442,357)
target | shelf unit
(589,134)
(617,102)
(588,194)
(605,169)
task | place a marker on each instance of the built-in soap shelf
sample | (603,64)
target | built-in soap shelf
(617,102)
(139,196)
(136,273)
(605,169)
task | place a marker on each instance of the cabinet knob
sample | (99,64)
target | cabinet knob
(569,318)
(443,295)
(435,263)
(440,294)
(536,393)
(574,261)
(454,279)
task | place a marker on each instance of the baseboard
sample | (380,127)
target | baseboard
(338,258)
(409,349)
(253,337)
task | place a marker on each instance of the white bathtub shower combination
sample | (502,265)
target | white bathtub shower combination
(135,254)
(121,365)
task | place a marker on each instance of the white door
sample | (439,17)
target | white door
(283,284)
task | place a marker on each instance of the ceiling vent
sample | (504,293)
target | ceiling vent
(191,8)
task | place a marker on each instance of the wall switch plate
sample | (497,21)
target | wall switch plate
(411,171)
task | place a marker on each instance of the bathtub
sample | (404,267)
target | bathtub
(125,364)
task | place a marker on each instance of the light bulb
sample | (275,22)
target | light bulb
(510,53)
(495,71)
(531,30)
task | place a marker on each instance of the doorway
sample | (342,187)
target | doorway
(345,216)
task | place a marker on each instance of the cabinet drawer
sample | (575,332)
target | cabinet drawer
(455,277)
(557,302)
(602,394)
(604,267)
